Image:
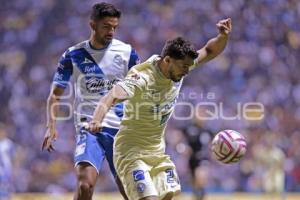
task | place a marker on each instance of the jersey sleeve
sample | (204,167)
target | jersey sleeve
(133,84)
(134,59)
(64,71)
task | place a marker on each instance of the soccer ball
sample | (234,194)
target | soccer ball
(228,146)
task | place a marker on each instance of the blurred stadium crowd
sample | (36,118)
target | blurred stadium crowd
(260,64)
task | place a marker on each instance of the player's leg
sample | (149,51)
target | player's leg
(166,179)
(199,176)
(137,181)
(167,184)
(86,181)
(107,139)
(168,196)
(88,157)
(199,179)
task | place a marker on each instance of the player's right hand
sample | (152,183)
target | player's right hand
(224,26)
(94,126)
(49,138)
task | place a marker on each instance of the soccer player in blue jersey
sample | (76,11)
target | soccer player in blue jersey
(96,65)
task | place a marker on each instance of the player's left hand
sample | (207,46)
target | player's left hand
(94,126)
(50,136)
(224,26)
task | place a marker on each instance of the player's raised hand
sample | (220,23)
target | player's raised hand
(94,126)
(49,138)
(224,26)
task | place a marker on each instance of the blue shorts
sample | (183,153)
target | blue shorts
(93,148)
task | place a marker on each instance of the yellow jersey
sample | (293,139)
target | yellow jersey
(151,101)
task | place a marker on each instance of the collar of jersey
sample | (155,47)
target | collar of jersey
(101,49)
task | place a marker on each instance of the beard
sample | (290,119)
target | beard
(104,41)
(174,78)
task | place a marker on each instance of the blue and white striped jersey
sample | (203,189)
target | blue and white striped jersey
(94,73)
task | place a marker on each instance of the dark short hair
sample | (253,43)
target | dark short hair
(101,10)
(178,48)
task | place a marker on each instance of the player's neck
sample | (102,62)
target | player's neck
(96,45)
(163,68)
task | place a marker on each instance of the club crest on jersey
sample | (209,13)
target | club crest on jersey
(138,175)
(119,61)
(140,187)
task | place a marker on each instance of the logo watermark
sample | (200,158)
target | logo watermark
(155,106)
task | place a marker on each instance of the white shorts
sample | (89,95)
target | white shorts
(141,179)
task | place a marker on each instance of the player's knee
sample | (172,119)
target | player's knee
(85,187)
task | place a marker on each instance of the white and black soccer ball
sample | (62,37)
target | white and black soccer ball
(228,146)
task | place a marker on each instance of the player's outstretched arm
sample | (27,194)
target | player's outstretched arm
(215,45)
(115,95)
(52,110)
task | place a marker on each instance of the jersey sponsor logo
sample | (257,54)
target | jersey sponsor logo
(95,85)
(84,61)
(140,187)
(90,69)
(138,175)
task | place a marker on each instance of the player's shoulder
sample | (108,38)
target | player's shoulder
(144,69)
(147,66)
(116,42)
(152,59)
(77,47)
(120,45)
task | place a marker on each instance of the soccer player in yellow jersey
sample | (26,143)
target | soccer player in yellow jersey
(150,90)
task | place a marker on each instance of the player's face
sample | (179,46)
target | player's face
(105,29)
(179,68)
